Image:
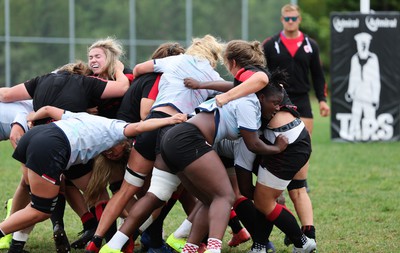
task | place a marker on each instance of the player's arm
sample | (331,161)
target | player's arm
(253,84)
(118,87)
(256,145)
(212,85)
(15,93)
(46,112)
(143,68)
(134,129)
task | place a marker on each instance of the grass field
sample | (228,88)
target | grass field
(355,189)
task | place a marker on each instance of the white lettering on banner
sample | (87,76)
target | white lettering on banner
(374,24)
(371,130)
(341,23)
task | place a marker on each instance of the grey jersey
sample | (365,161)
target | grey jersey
(89,135)
(15,112)
(242,113)
(172,90)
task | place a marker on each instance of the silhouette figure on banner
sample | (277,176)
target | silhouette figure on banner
(364,88)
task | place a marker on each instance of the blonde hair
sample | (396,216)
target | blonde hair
(290,7)
(244,53)
(208,48)
(78,68)
(168,49)
(101,173)
(113,50)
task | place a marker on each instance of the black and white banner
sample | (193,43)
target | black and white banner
(365,75)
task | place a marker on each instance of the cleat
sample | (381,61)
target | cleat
(309,247)
(162,249)
(92,248)
(129,247)
(176,244)
(17,251)
(241,237)
(202,248)
(84,237)
(257,251)
(107,249)
(270,247)
(281,199)
(145,241)
(5,242)
(17,247)
(61,239)
(8,207)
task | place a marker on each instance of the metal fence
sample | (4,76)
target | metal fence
(37,36)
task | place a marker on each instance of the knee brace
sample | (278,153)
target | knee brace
(163,184)
(296,184)
(134,178)
(115,186)
(42,204)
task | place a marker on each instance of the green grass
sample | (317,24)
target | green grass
(354,190)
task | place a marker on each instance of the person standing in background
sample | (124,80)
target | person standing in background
(294,52)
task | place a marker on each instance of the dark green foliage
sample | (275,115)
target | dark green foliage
(154,21)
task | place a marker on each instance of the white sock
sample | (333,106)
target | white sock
(183,230)
(118,240)
(23,234)
(214,250)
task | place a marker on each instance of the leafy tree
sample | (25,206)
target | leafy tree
(156,21)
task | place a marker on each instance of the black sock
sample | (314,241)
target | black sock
(57,216)
(262,231)
(287,223)
(309,231)
(234,223)
(156,228)
(154,231)
(89,221)
(255,222)
(16,246)
(246,212)
(97,240)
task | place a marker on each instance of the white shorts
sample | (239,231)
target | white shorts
(268,179)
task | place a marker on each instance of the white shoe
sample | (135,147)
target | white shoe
(257,251)
(309,247)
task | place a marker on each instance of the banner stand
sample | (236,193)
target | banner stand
(365,76)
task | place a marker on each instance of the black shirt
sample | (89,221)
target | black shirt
(129,110)
(64,90)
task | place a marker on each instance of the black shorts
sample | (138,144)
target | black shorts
(45,150)
(161,132)
(287,163)
(302,101)
(146,142)
(78,170)
(181,145)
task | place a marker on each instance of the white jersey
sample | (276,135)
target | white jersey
(171,89)
(242,113)
(236,150)
(15,112)
(89,135)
